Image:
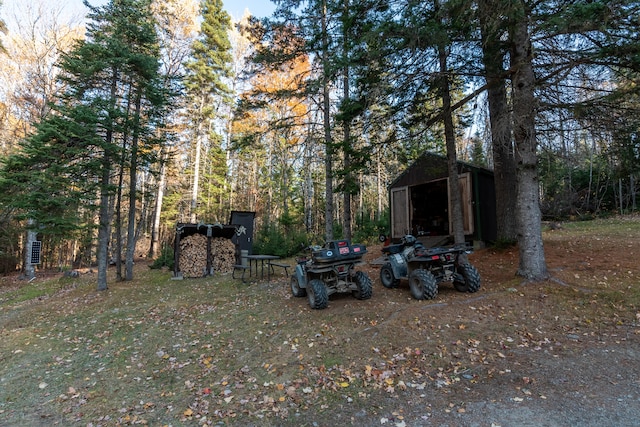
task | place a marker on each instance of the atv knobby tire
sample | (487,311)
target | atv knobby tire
(467,279)
(387,277)
(317,294)
(296,290)
(365,287)
(423,284)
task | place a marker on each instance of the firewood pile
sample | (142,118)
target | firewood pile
(193,255)
(223,253)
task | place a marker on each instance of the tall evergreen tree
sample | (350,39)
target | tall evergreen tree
(532,260)
(447,26)
(494,57)
(105,114)
(207,90)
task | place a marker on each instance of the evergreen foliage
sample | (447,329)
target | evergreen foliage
(272,240)
(207,94)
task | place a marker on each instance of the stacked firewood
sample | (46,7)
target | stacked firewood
(223,254)
(193,256)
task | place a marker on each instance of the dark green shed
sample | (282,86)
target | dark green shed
(420,204)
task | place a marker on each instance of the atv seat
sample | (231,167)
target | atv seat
(393,249)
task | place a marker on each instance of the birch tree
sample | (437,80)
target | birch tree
(176,29)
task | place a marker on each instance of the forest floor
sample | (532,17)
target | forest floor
(215,351)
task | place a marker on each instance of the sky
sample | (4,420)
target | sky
(258,8)
(235,8)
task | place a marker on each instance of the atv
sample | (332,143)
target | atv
(426,268)
(331,269)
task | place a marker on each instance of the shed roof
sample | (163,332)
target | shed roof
(429,167)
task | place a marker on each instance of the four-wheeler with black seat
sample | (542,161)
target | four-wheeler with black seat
(331,269)
(426,268)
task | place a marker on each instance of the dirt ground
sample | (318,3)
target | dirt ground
(563,353)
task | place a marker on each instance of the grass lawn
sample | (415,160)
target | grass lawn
(215,351)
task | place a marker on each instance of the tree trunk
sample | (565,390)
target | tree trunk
(196,172)
(532,260)
(103,224)
(309,189)
(154,248)
(133,178)
(457,219)
(347,187)
(326,103)
(104,217)
(504,165)
(118,217)
(379,195)
(632,187)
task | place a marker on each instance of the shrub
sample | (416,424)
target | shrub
(368,230)
(165,259)
(276,241)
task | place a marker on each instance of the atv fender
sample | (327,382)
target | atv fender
(398,265)
(302,277)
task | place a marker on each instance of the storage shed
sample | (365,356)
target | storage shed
(420,202)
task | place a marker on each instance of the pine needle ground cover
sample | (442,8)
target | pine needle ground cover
(215,351)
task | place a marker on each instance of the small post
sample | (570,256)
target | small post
(32,247)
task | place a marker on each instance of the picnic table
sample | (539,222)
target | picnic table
(255,259)
(263,261)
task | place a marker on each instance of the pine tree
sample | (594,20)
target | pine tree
(207,90)
(494,54)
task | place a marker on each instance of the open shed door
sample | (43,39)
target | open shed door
(467,204)
(399,212)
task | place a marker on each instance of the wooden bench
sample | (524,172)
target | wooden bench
(237,267)
(285,267)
